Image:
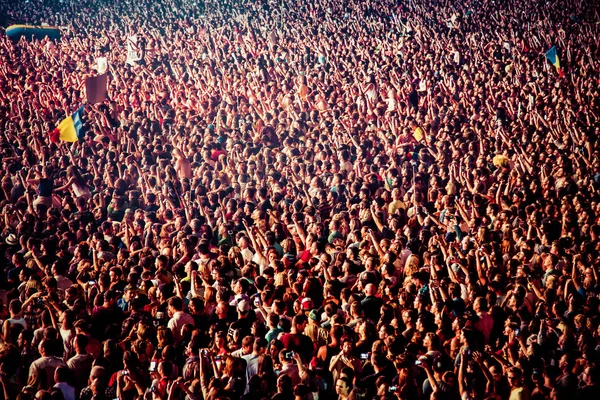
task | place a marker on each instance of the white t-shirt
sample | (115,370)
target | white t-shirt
(67,391)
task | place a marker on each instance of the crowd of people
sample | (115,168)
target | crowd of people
(302,200)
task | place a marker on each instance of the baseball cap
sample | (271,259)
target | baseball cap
(307,303)
(243,306)
(238,298)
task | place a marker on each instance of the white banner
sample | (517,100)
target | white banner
(133,53)
(101,65)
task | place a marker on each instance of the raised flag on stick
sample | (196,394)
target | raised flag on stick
(552,56)
(70,129)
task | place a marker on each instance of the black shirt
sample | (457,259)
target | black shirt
(372,307)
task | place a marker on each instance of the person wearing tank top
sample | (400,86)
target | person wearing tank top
(15,308)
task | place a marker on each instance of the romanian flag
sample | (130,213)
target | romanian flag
(552,56)
(70,128)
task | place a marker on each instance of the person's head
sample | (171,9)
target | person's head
(284,384)
(15,307)
(480,305)
(301,391)
(347,346)
(97,373)
(221,309)
(243,308)
(275,347)
(370,290)
(81,327)
(25,338)
(110,298)
(591,375)
(272,320)
(164,336)
(165,369)
(566,362)
(299,322)
(409,316)
(80,343)
(97,386)
(61,374)
(241,286)
(46,347)
(343,387)
(259,346)
(515,377)
(431,341)
(175,305)
(384,331)
(264,365)
(115,274)
(129,293)
(220,339)
(131,360)
(496,372)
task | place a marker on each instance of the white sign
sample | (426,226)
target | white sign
(101,65)
(133,53)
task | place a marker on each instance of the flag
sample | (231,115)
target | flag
(552,56)
(95,89)
(133,54)
(69,129)
(77,123)
(101,64)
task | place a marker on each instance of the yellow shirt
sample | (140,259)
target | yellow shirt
(395,205)
(419,134)
(520,393)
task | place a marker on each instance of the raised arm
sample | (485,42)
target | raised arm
(574,276)
(461,375)
(478,358)
(376,219)
(378,248)
(299,229)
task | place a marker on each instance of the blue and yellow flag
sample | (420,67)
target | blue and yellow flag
(552,56)
(77,123)
(70,128)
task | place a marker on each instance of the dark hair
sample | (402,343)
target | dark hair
(176,303)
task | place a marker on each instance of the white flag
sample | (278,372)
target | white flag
(133,54)
(101,65)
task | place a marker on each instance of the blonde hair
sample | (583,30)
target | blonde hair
(412,265)
(32,284)
(312,331)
